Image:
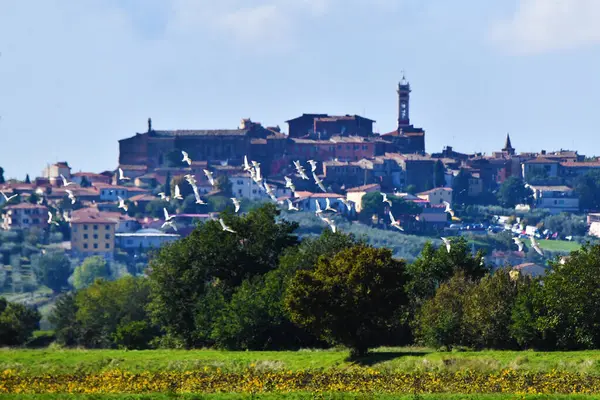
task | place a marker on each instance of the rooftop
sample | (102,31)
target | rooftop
(541,160)
(202,132)
(365,188)
(23,206)
(549,188)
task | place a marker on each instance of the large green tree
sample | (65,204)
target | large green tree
(17,323)
(255,318)
(513,191)
(182,271)
(53,269)
(91,269)
(435,266)
(588,189)
(352,298)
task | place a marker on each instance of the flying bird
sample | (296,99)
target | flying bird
(51,219)
(170,224)
(71,196)
(6,198)
(328,206)
(163,196)
(318,211)
(289,184)
(519,243)
(536,246)
(186,158)
(447,243)
(313,165)
(122,176)
(386,200)
(319,182)
(197,196)
(225,227)
(300,170)
(122,204)
(191,179)
(347,203)
(331,223)
(236,203)
(291,206)
(65,181)
(449,209)
(66,216)
(209,176)
(167,216)
(247,166)
(177,194)
(395,222)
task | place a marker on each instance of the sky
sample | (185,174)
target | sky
(78,75)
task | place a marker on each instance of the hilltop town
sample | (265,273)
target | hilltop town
(166,181)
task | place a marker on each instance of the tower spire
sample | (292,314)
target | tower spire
(403,103)
(508,146)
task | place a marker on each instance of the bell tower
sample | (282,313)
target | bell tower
(403,103)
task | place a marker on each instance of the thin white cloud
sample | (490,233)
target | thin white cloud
(541,26)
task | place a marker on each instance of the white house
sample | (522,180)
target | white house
(144,238)
(113,192)
(307,201)
(242,186)
(557,199)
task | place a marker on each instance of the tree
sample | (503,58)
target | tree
(174,158)
(411,189)
(587,188)
(372,203)
(167,186)
(64,320)
(17,323)
(91,269)
(460,188)
(568,306)
(2,181)
(85,182)
(224,185)
(53,270)
(33,198)
(435,266)
(496,294)
(513,191)
(439,174)
(256,319)
(183,270)
(27,180)
(439,322)
(352,298)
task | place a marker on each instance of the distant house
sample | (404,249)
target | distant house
(26,215)
(91,177)
(557,199)
(113,192)
(356,194)
(142,200)
(54,171)
(308,201)
(437,195)
(93,234)
(144,239)
(540,168)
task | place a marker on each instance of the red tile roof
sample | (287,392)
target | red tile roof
(28,206)
(365,188)
(574,164)
(134,167)
(541,160)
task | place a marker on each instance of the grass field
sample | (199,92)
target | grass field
(35,362)
(559,245)
(28,367)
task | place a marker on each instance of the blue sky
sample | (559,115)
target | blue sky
(77,76)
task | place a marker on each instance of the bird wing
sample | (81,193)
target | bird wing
(49,217)
(392,218)
(327,203)
(166,214)
(318,206)
(177,191)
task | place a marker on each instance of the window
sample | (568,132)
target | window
(85,246)
(240,182)
(85,227)
(95,236)
(129,242)
(107,245)
(95,227)
(74,228)
(36,221)
(95,245)
(107,236)
(85,235)
(239,191)
(107,227)
(25,220)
